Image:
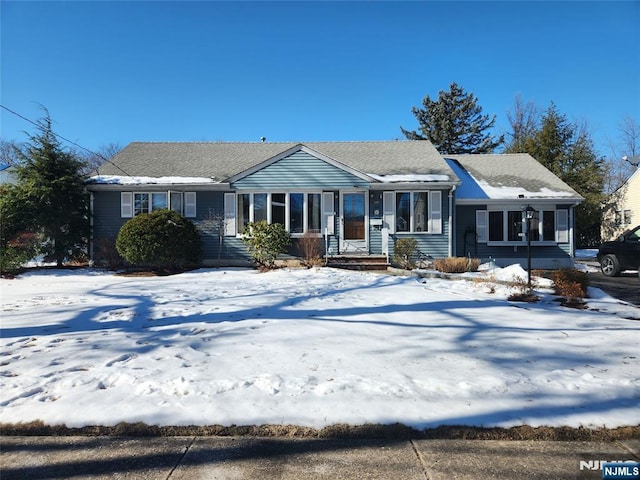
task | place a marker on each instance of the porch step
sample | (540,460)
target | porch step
(358,262)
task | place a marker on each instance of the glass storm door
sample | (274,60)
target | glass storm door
(353,236)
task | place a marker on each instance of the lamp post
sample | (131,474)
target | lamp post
(529,214)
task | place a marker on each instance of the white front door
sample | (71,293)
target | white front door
(354,217)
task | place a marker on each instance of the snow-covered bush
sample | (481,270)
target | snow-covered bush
(162,239)
(265,241)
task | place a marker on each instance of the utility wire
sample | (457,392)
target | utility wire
(99,155)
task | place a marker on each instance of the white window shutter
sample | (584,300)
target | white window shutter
(388,211)
(481,226)
(229,213)
(562,226)
(190,204)
(126,204)
(328,213)
(435,212)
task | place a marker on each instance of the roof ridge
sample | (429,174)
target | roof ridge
(258,142)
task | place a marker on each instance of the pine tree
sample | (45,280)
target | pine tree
(454,123)
(568,151)
(52,194)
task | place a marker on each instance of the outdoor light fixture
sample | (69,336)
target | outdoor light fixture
(529,214)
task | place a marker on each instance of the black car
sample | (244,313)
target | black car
(621,254)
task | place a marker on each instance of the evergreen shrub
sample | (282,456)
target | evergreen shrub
(162,239)
(265,241)
(404,252)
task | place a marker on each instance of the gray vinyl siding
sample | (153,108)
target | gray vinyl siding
(465,244)
(299,170)
(106,216)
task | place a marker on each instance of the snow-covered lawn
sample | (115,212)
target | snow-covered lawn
(309,347)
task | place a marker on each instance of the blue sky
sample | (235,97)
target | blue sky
(123,71)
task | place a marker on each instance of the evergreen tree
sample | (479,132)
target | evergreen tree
(568,151)
(454,123)
(52,195)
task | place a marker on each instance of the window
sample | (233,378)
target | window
(496,226)
(298,212)
(314,218)
(403,212)
(510,226)
(140,203)
(260,207)
(515,225)
(278,208)
(548,227)
(419,212)
(296,208)
(135,203)
(244,204)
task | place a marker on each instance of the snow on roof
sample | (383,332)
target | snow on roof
(132,180)
(504,192)
(410,178)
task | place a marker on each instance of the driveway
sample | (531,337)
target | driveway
(625,287)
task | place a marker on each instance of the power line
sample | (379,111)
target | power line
(57,135)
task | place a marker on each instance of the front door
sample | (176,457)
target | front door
(353,232)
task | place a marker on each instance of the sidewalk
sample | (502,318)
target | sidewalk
(300,459)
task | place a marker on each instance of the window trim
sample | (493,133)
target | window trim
(287,209)
(128,204)
(561,227)
(433,221)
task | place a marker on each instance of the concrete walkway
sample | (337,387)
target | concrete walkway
(195,458)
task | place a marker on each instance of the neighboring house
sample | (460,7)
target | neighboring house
(361,197)
(7,173)
(621,212)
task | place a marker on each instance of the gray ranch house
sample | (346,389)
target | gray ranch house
(360,197)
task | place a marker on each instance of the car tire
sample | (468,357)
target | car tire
(610,266)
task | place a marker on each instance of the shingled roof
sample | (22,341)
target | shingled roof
(507,176)
(223,160)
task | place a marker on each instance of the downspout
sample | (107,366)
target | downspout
(451,220)
(91,259)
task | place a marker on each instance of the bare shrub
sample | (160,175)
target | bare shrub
(456,264)
(107,254)
(310,246)
(570,283)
